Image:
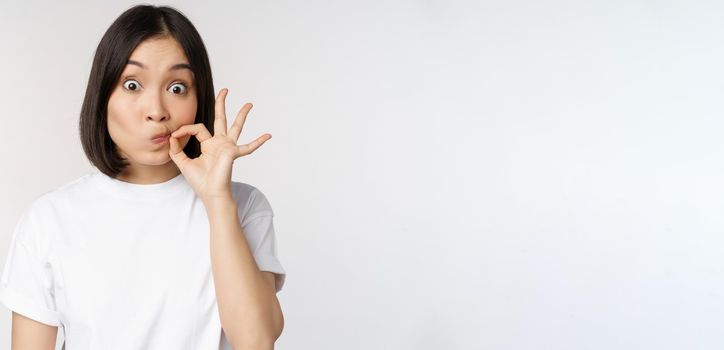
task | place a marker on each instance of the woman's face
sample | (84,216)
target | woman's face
(155,95)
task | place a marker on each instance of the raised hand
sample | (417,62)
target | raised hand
(210,173)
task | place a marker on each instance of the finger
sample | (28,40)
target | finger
(175,151)
(238,124)
(252,146)
(199,130)
(220,113)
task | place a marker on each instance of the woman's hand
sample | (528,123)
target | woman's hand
(210,173)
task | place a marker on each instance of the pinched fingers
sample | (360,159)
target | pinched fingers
(199,130)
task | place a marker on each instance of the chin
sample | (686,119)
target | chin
(159,160)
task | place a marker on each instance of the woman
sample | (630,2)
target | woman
(156,248)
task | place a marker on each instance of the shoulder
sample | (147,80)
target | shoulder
(61,195)
(251,201)
(47,208)
(51,200)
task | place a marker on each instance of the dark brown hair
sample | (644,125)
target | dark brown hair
(132,27)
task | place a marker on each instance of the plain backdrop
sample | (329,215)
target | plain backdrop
(445,174)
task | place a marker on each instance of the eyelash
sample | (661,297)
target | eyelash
(186,88)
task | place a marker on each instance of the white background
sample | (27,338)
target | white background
(445,174)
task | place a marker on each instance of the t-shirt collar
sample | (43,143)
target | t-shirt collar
(143,192)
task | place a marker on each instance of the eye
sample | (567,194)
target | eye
(179,88)
(131,84)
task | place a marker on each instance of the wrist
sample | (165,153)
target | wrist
(216,202)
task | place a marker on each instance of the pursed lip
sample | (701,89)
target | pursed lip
(161,135)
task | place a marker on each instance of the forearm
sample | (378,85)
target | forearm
(246,303)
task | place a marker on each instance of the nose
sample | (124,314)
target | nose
(155,109)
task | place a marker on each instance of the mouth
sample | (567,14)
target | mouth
(160,138)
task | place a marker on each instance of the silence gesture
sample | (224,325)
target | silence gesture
(210,173)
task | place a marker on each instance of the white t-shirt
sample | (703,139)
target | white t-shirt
(127,266)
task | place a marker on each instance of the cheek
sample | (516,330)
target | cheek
(118,124)
(185,112)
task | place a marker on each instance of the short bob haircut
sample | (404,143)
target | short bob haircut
(132,27)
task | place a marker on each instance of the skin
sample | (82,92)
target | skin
(147,101)
(210,173)
(154,99)
(250,312)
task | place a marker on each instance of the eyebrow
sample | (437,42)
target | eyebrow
(174,67)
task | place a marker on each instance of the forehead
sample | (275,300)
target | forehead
(158,54)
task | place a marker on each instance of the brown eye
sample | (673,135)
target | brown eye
(131,84)
(179,88)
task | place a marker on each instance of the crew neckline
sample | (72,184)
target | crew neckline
(143,192)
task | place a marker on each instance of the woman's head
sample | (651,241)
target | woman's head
(150,75)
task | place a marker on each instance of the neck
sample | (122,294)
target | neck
(149,174)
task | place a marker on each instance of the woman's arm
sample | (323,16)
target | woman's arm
(248,307)
(29,334)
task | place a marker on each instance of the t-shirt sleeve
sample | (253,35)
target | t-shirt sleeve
(258,227)
(26,285)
